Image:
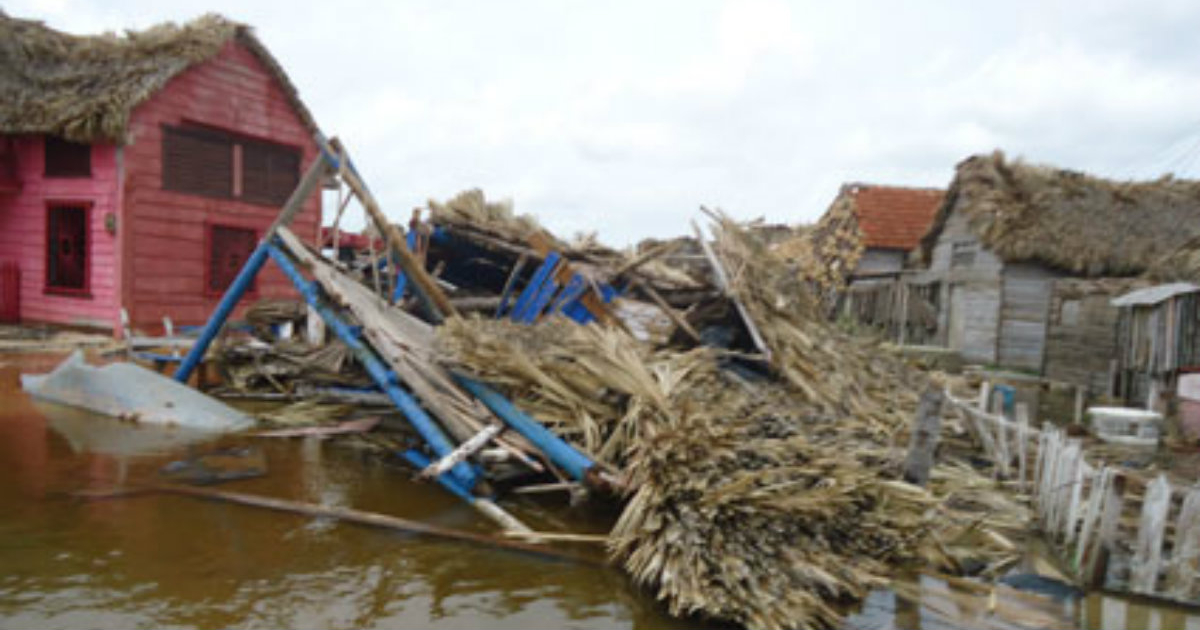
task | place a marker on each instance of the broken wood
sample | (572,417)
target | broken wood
(371,519)
(680,322)
(927,427)
(431,295)
(464,450)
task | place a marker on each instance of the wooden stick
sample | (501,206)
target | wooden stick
(657,251)
(680,322)
(436,302)
(462,452)
(361,517)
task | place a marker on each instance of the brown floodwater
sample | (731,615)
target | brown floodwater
(167,561)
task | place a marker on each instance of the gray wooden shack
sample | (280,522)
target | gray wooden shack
(1008,230)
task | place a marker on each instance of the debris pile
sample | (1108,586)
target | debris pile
(761,498)
(754,449)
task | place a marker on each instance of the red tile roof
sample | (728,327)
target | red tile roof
(893,217)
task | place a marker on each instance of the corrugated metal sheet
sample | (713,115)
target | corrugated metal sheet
(1155,294)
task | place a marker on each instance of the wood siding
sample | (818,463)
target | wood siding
(1024,310)
(167,250)
(1082,330)
(875,261)
(971,293)
(23,236)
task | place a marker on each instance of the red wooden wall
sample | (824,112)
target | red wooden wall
(164,255)
(23,236)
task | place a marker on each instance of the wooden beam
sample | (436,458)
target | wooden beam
(723,283)
(676,318)
(431,296)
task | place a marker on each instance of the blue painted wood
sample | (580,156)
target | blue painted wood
(535,286)
(570,293)
(540,301)
(564,455)
(376,368)
(401,279)
(228,301)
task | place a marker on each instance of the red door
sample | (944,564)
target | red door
(66,249)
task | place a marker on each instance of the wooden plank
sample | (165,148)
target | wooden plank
(1147,554)
(1095,564)
(723,283)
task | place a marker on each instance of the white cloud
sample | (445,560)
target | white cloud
(625,117)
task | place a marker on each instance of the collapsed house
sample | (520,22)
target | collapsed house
(138,171)
(1008,232)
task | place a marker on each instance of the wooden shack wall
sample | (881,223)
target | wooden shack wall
(1024,311)
(1081,337)
(165,252)
(969,319)
(24,236)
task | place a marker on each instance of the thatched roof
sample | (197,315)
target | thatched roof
(84,88)
(1181,264)
(1069,220)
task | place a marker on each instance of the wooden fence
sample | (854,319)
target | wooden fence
(1114,528)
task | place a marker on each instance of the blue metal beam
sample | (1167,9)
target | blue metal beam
(564,455)
(383,376)
(224,308)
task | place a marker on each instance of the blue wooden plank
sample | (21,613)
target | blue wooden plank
(543,297)
(535,286)
(575,287)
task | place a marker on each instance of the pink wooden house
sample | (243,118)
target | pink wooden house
(138,171)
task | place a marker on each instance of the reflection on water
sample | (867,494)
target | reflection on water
(171,561)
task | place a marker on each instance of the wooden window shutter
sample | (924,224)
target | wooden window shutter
(229,249)
(197,161)
(270,172)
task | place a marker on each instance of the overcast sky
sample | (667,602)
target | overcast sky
(625,117)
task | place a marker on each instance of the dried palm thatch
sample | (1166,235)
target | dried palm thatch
(84,88)
(593,385)
(470,209)
(761,502)
(1069,220)
(841,375)
(1180,265)
(828,252)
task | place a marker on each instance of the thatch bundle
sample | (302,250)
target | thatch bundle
(1179,265)
(842,375)
(84,88)
(827,252)
(1069,220)
(470,209)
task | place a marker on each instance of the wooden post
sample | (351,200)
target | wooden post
(1095,566)
(1022,412)
(927,428)
(1003,455)
(1079,400)
(1147,554)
